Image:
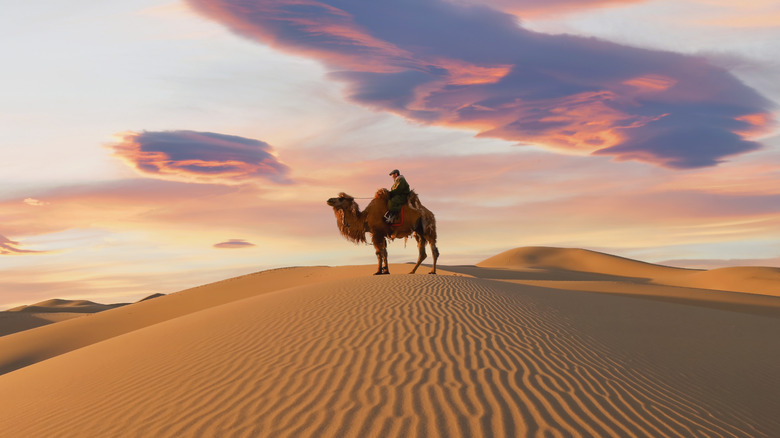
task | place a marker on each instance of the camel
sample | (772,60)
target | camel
(417,221)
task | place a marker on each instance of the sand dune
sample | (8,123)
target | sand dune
(579,260)
(336,352)
(29,347)
(579,264)
(47,312)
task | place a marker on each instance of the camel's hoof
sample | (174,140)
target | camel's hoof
(432,273)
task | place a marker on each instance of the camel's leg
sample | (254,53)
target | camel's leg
(435,252)
(380,246)
(386,269)
(420,251)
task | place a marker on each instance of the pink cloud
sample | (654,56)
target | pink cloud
(473,67)
(201,157)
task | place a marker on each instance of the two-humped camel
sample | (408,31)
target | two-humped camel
(417,221)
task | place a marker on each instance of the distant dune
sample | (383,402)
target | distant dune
(46,312)
(579,260)
(757,280)
(568,263)
(72,306)
(519,345)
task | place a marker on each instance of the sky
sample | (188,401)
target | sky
(151,146)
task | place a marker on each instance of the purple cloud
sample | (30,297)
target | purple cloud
(474,67)
(234,244)
(201,157)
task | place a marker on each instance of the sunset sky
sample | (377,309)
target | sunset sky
(150,146)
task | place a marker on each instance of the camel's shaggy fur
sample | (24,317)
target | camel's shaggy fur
(349,222)
(354,224)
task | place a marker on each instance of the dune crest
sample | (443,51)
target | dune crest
(59,305)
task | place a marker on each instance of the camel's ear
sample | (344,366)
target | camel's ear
(346,196)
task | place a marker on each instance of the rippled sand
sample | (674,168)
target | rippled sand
(483,351)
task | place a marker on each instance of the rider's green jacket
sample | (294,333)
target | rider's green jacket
(398,194)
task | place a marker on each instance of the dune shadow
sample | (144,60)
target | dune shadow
(14,322)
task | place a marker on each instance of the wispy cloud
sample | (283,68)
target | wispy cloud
(10,247)
(34,202)
(192,214)
(473,67)
(204,157)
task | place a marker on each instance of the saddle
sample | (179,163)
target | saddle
(399,219)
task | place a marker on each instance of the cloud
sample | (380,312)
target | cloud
(9,247)
(34,202)
(473,67)
(203,157)
(534,8)
(234,244)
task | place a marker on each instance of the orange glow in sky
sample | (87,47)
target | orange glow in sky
(640,128)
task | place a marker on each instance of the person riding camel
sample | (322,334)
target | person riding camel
(399,194)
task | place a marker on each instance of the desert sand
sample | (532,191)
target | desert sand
(531,342)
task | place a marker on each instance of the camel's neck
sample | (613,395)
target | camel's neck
(350,223)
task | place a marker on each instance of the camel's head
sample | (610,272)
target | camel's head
(348,217)
(342,202)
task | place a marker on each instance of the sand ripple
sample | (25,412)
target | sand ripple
(401,356)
